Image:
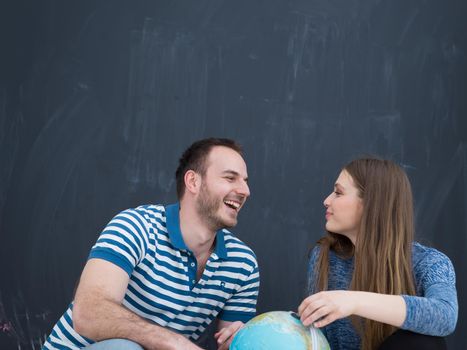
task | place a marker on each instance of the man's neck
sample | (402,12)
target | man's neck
(197,237)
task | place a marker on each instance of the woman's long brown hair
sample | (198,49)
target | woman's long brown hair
(382,251)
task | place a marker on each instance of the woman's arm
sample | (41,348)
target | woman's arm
(433,313)
(322,308)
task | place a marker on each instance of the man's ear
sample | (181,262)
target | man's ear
(192,181)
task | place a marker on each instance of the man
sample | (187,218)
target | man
(159,275)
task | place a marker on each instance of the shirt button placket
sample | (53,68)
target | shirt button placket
(192,269)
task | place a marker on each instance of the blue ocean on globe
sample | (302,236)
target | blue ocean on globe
(278,330)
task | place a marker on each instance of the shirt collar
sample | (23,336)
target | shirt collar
(172,212)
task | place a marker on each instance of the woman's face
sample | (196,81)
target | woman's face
(344,207)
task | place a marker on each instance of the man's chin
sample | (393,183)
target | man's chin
(229,223)
(228,219)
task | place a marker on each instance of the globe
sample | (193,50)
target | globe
(278,330)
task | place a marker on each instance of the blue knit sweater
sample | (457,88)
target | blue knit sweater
(433,311)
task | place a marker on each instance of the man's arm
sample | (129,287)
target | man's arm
(98,313)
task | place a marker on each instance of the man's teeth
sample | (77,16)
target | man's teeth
(232,204)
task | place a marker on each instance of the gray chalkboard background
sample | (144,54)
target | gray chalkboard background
(99,98)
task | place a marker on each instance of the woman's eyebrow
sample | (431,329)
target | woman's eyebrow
(338,186)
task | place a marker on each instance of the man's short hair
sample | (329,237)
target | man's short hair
(194,158)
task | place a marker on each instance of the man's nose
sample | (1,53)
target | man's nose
(243,189)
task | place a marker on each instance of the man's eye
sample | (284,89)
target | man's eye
(230,178)
(337,193)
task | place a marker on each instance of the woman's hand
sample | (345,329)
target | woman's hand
(323,308)
(226,333)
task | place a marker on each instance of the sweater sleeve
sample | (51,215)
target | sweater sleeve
(434,311)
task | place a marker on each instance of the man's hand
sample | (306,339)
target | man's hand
(226,333)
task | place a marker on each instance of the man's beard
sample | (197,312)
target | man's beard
(208,208)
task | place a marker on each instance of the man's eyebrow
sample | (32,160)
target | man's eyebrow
(234,173)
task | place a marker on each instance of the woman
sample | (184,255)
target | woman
(367,278)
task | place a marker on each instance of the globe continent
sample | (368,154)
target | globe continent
(278,330)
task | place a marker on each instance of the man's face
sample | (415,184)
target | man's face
(224,188)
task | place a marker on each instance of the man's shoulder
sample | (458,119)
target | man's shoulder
(150,213)
(237,248)
(147,219)
(150,209)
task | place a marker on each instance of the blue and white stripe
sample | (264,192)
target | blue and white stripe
(147,243)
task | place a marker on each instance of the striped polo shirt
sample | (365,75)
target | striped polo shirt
(147,243)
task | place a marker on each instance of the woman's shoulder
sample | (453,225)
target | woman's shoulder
(315,251)
(428,261)
(333,258)
(313,254)
(423,253)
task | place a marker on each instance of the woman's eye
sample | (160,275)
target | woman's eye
(337,193)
